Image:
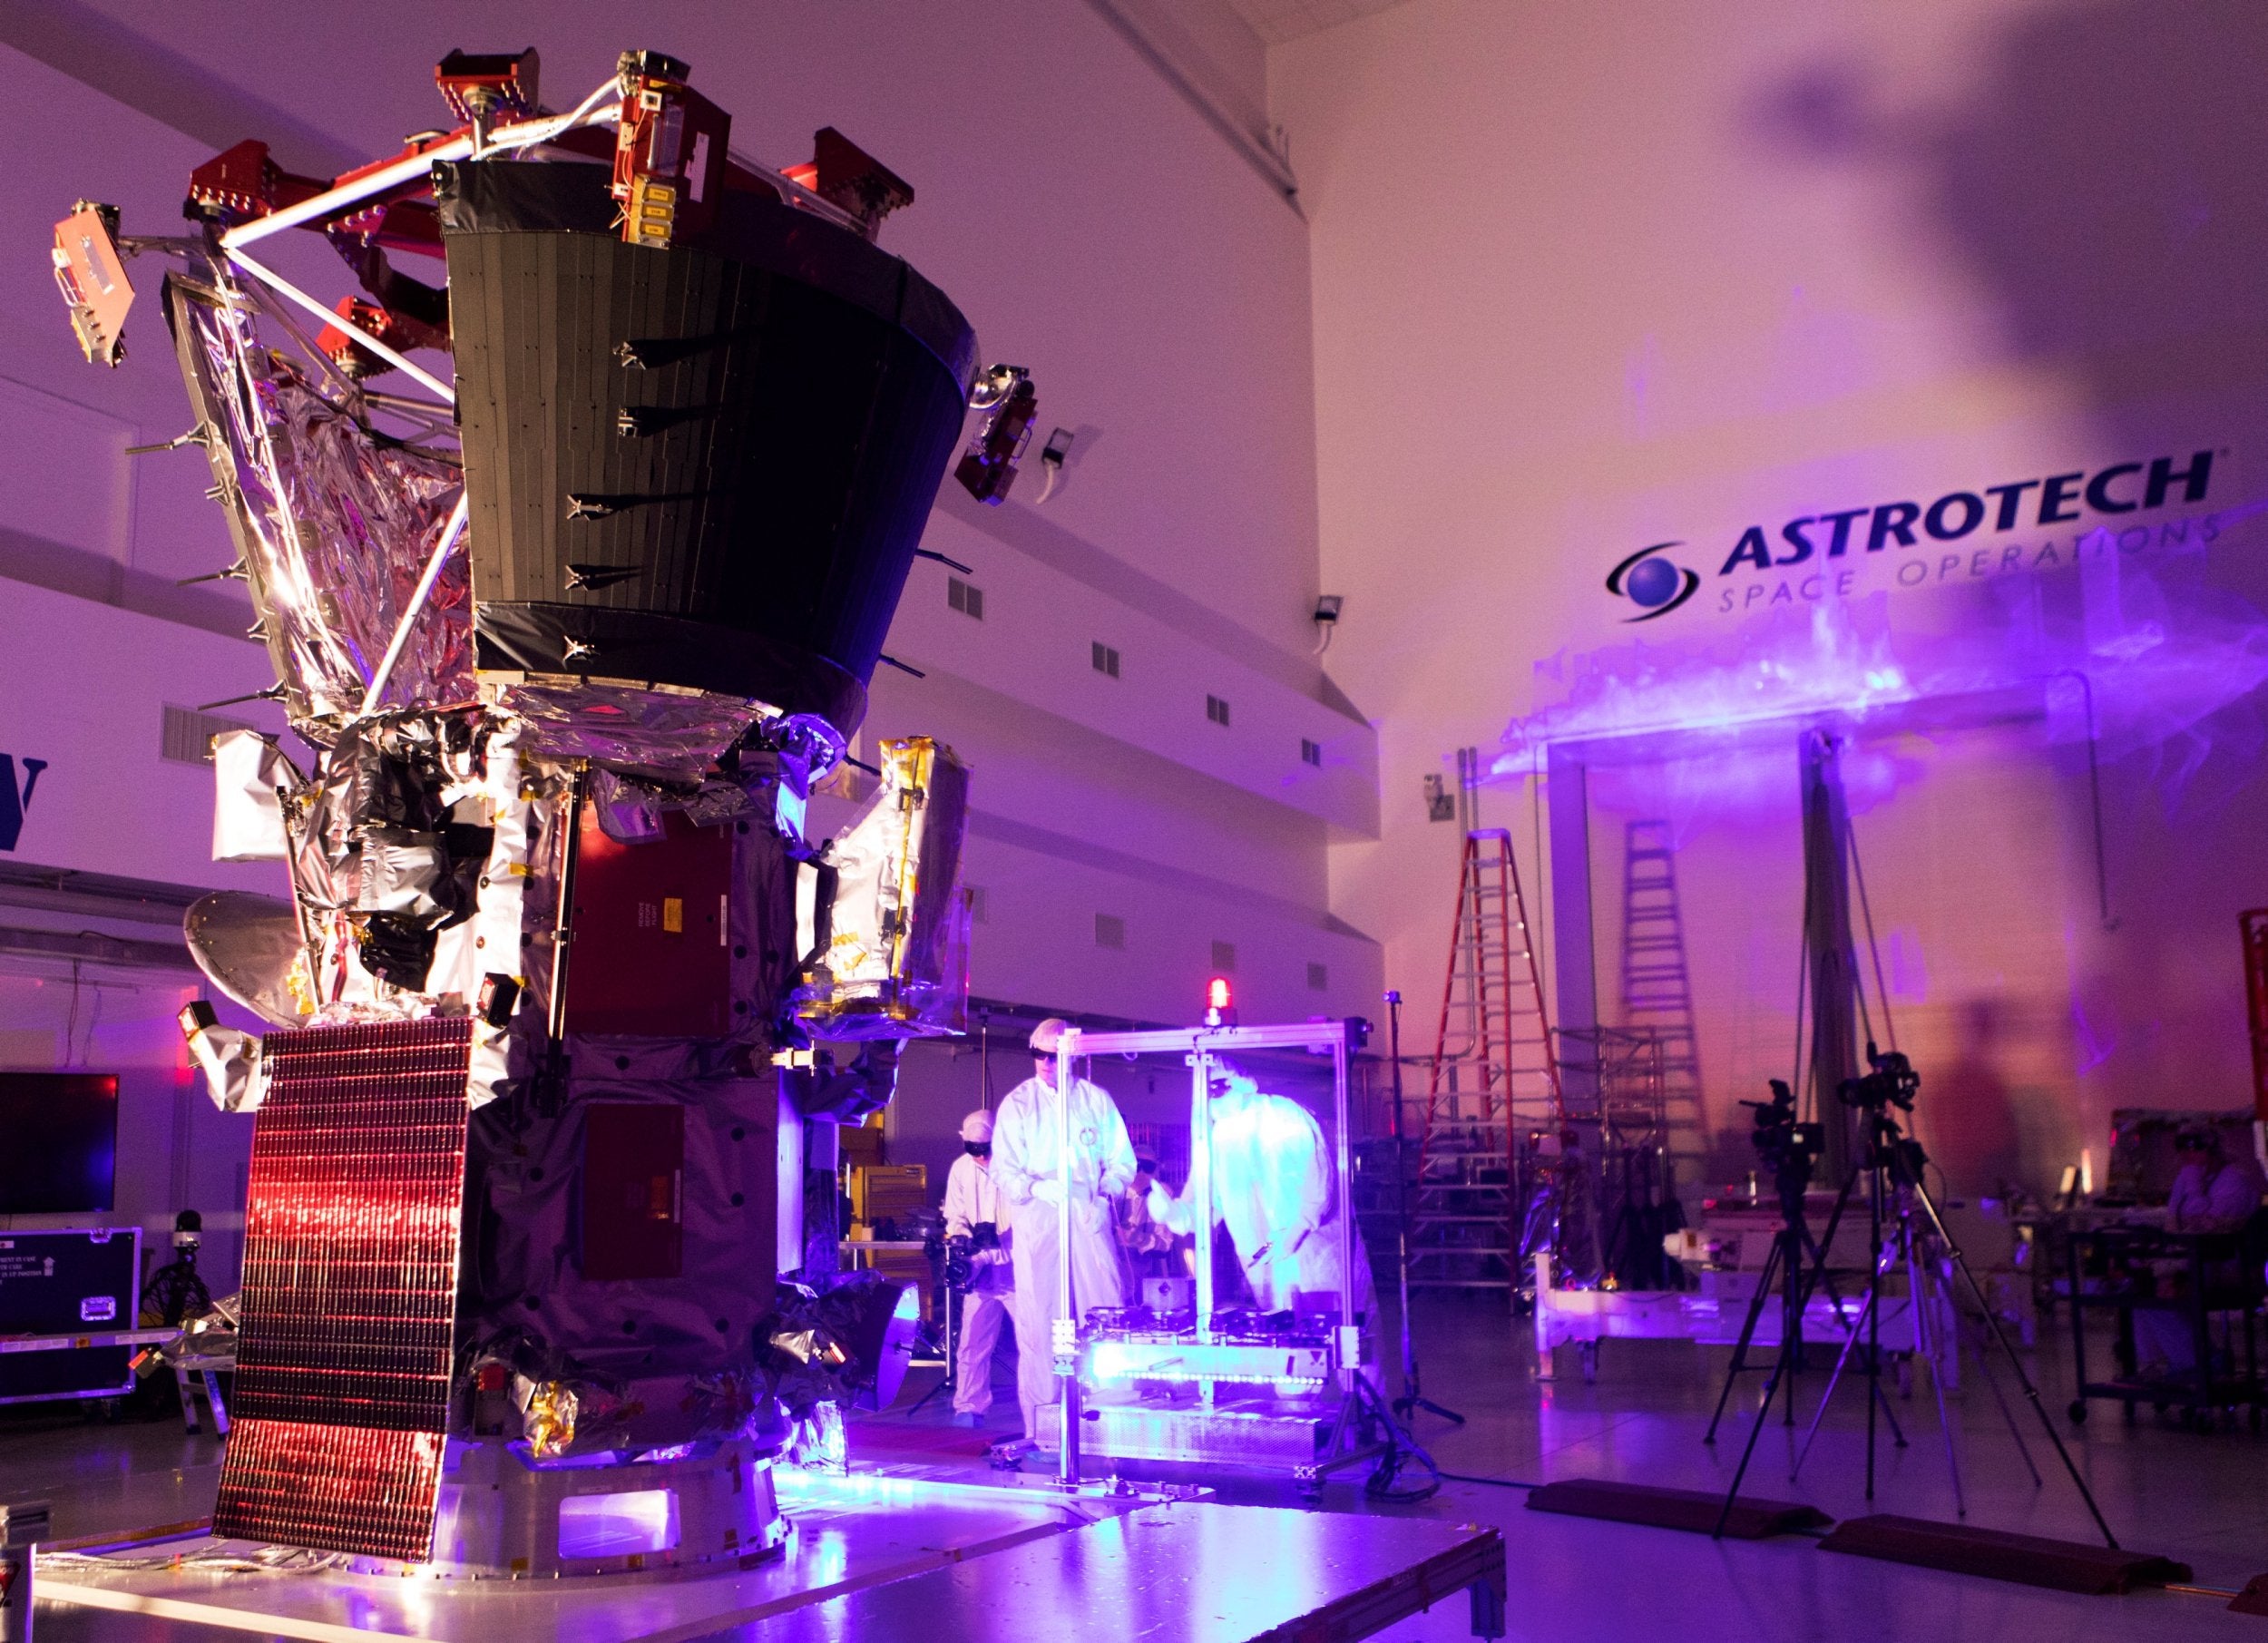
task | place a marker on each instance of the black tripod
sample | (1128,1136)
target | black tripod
(1789,1148)
(1893,1162)
(944,1337)
(1413,1398)
(1798,1260)
(1898,1241)
(1897,1162)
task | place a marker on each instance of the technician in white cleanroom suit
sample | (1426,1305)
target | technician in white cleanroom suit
(1273,1190)
(1031,1174)
(973,1200)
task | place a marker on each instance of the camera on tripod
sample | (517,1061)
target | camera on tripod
(1788,1146)
(1892,1083)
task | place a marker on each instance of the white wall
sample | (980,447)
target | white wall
(1589,279)
(84,687)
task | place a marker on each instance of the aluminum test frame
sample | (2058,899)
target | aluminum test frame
(1201,1046)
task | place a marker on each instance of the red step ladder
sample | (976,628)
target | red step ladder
(1494,1089)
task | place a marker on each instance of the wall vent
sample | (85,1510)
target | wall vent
(185,735)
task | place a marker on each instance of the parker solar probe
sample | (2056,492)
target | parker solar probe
(576,617)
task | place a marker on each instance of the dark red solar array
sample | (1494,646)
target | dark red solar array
(350,1278)
(353,1489)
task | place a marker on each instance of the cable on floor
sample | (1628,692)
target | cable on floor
(1402,1451)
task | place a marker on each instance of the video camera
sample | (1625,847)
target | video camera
(1787,1147)
(1892,1083)
(962,1250)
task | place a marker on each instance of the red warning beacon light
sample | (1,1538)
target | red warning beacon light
(1220,1003)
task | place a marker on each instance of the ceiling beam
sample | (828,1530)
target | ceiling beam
(1169,58)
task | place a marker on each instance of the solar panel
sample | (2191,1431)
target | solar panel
(350,1277)
(352,1489)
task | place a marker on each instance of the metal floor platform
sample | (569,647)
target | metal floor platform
(873,1556)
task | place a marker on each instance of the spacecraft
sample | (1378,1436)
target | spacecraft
(575,565)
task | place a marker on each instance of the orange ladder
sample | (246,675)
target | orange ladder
(1494,1090)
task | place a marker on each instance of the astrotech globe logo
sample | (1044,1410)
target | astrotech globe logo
(1656,585)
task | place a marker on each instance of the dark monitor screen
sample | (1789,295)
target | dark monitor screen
(58,1142)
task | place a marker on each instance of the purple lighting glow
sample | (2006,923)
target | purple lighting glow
(2130,657)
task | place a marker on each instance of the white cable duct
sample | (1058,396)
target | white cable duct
(489,942)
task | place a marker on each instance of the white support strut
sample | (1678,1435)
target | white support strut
(1067,1321)
(393,356)
(527,133)
(374,697)
(524,133)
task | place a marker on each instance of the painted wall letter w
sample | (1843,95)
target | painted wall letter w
(13,802)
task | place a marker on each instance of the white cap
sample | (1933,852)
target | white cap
(977,1127)
(1045,1036)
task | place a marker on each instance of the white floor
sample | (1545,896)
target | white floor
(2200,1498)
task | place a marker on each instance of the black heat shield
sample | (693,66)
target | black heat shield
(706,467)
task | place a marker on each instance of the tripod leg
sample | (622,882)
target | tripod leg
(1890,1415)
(1881,1399)
(1748,1449)
(952,1354)
(1792,1322)
(2032,1392)
(1414,1398)
(2008,1415)
(1834,1380)
(1823,1279)
(1747,1333)
(1816,1277)
(1874,1313)
(1874,1383)
(1410,1397)
(1851,1326)
(1920,1299)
